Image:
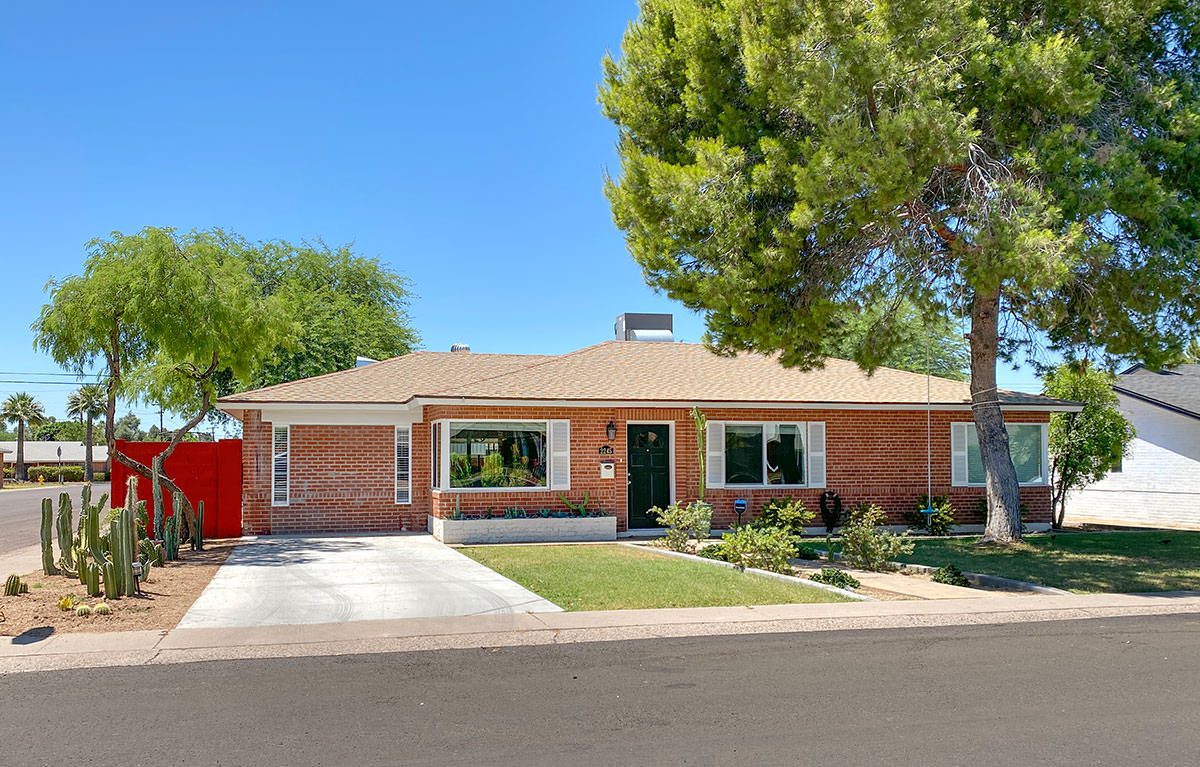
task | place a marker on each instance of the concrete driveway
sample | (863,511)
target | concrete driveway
(279,580)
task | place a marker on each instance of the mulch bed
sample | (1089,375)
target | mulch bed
(164,600)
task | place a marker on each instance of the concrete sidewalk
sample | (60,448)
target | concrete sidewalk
(404,635)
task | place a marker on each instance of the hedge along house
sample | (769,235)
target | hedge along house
(387,446)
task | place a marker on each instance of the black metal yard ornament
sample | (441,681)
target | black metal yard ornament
(831,515)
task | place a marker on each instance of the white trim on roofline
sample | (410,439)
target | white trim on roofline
(410,412)
(768,405)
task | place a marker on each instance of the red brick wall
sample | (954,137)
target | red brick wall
(342,476)
(340,479)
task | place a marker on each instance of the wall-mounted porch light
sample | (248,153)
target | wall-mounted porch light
(611,430)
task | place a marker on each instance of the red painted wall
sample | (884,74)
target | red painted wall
(205,471)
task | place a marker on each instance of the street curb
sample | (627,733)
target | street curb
(767,573)
(994,581)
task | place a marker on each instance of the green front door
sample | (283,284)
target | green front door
(649,472)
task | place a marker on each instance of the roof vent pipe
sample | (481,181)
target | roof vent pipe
(460,348)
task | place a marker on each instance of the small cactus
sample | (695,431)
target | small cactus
(66,602)
(102,609)
(93,579)
(83,611)
(109,572)
(12,586)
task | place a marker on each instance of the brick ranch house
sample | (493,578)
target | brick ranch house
(382,447)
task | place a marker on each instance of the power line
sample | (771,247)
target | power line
(29,373)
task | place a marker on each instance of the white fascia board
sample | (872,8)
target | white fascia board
(688,404)
(280,414)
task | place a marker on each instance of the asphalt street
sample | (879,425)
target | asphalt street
(21,512)
(1095,692)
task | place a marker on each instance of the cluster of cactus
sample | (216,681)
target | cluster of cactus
(112,555)
(13,586)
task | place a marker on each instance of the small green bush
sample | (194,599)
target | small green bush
(951,575)
(69,473)
(765,549)
(684,523)
(940,522)
(807,552)
(713,551)
(832,576)
(787,514)
(867,547)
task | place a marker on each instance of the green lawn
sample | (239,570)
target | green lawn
(1082,562)
(614,577)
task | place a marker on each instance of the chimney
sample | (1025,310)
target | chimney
(644,327)
(465,348)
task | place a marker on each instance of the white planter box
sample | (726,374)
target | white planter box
(529,530)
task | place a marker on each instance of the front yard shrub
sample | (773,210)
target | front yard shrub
(832,576)
(765,549)
(867,547)
(940,522)
(787,514)
(684,523)
(50,473)
(807,552)
(713,551)
(950,574)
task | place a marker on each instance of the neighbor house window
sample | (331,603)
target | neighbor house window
(497,454)
(279,466)
(403,465)
(764,454)
(1026,445)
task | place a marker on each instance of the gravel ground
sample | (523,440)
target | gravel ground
(171,591)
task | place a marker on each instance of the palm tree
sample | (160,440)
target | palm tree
(22,409)
(87,402)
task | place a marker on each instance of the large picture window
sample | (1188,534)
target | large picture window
(764,454)
(497,454)
(1026,444)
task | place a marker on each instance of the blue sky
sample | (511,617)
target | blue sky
(460,142)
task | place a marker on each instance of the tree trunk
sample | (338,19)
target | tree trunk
(20,473)
(1003,495)
(88,474)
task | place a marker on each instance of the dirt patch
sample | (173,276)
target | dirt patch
(171,591)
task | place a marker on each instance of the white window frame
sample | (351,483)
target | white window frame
(406,483)
(964,455)
(287,471)
(801,427)
(444,470)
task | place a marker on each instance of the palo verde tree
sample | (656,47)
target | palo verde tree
(1033,167)
(163,312)
(1084,446)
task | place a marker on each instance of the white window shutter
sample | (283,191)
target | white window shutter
(560,455)
(958,453)
(280,449)
(403,465)
(816,454)
(714,455)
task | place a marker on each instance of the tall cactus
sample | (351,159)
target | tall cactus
(92,534)
(48,566)
(156,487)
(128,549)
(171,538)
(93,579)
(111,588)
(66,531)
(198,533)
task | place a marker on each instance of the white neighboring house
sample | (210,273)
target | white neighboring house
(1158,483)
(46,454)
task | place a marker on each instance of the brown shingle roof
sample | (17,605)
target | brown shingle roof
(619,370)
